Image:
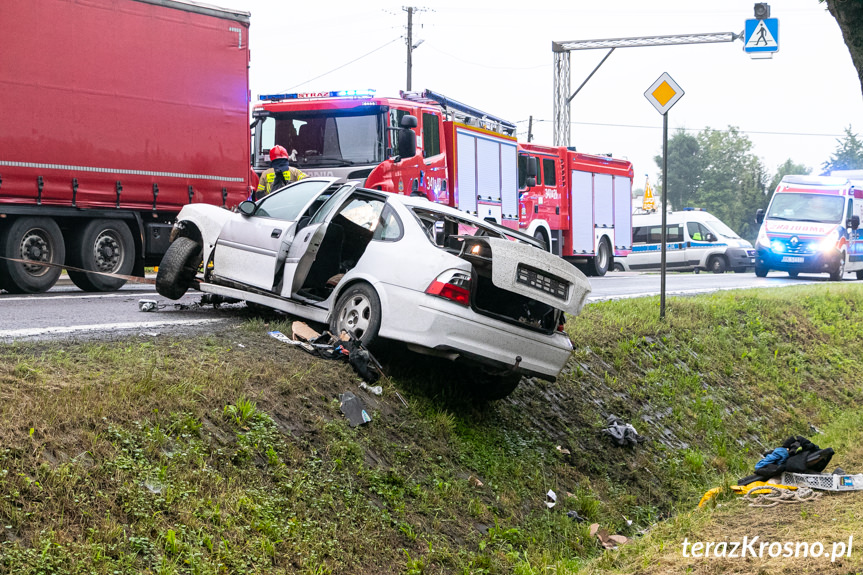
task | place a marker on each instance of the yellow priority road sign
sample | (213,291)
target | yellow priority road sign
(664,93)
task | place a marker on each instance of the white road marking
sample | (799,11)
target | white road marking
(43,331)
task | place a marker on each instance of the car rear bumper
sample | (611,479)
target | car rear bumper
(438,324)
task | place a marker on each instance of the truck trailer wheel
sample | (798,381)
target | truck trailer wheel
(178,268)
(101,246)
(30,238)
(598,264)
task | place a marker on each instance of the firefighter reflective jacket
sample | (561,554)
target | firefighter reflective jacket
(270,179)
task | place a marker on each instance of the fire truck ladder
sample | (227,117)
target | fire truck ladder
(459,112)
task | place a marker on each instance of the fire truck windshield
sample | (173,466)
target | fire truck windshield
(326,138)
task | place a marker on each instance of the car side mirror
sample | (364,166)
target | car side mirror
(247,207)
(853,222)
(531,181)
(532,168)
(709,237)
(759,216)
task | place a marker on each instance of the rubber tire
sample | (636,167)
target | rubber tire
(539,234)
(836,276)
(178,268)
(598,264)
(618,267)
(761,272)
(717,265)
(82,248)
(358,304)
(860,274)
(14,277)
(489,387)
(793,274)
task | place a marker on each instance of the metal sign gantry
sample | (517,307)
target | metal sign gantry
(561,50)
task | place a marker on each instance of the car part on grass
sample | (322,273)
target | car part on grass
(354,409)
(622,433)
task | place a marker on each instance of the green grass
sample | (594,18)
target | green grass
(199,455)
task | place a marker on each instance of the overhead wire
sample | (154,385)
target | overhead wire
(345,64)
(694,129)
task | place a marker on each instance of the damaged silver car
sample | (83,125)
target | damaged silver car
(381,265)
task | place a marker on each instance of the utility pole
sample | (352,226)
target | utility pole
(410,11)
(530,130)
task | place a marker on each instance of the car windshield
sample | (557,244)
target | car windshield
(288,202)
(329,138)
(722,229)
(820,208)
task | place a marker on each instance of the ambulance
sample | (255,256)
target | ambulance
(811,226)
(695,240)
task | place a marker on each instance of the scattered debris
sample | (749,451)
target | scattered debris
(377,389)
(302,332)
(354,409)
(607,541)
(563,450)
(623,433)
(402,399)
(148,305)
(474,481)
(575,516)
(550,499)
(773,495)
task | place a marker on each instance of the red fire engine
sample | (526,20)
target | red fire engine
(424,143)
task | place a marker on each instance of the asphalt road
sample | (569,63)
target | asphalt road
(67,312)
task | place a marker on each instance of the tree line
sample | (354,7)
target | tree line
(718,171)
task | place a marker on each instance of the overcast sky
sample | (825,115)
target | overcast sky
(497,56)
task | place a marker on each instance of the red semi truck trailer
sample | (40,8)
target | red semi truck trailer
(116,113)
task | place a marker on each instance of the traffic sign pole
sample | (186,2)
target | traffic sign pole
(664,213)
(663,94)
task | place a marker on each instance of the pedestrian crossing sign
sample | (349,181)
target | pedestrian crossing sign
(761,37)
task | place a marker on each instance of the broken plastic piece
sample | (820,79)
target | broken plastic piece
(550,499)
(147,304)
(303,332)
(377,390)
(354,409)
(474,481)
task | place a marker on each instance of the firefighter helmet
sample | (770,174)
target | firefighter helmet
(278,152)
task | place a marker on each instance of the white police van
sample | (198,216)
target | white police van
(696,240)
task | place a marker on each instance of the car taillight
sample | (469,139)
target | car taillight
(453,285)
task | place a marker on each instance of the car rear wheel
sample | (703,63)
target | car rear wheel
(860,274)
(37,239)
(618,267)
(103,246)
(717,265)
(490,387)
(358,312)
(178,268)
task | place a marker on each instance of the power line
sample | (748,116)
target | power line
(345,64)
(695,129)
(486,66)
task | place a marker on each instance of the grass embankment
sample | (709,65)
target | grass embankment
(228,453)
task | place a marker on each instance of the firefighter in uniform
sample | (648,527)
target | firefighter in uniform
(279,173)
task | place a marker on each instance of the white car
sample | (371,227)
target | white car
(383,265)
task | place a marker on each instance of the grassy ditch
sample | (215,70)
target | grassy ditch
(228,453)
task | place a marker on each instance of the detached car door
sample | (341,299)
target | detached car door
(248,247)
